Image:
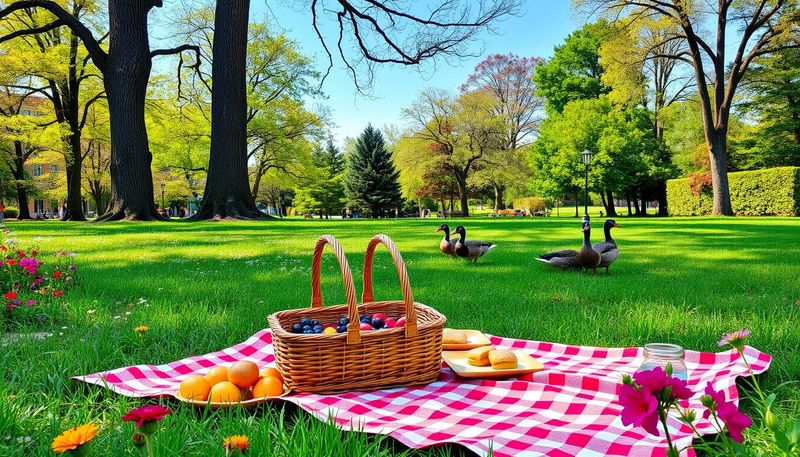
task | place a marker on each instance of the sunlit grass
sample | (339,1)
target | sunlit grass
(202,287)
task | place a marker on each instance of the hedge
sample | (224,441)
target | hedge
(11,211)
(766,192)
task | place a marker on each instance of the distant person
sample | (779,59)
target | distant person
(344,213)
(182,213)
(2,213)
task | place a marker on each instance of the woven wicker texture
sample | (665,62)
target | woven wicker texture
(358,360)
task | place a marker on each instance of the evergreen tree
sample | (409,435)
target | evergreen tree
(372,180)
(330,159)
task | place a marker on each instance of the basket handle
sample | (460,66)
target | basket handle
(353,333)
(408,296)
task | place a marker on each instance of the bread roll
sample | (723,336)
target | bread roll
(450,336)
(502,359)
(479,357)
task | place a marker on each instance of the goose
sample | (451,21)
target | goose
(447,246)
(470,249)
(587,256)
(570,259)
(608,249)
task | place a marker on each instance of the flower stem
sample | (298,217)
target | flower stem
(662,416)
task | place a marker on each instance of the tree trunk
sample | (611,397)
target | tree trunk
(256,185)
(644,202)
(628,199)
(97,195)
(661,196)
(611,209)
(499,197)
(19,176)
(74,191)
(227,193)
(126,78)
(577,205)
(462,194)
(636,210)
(718,158)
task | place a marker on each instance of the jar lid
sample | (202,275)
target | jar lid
(663,350)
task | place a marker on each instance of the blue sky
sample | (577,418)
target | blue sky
(542,25)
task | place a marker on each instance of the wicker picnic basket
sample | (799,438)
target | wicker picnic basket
(356,360)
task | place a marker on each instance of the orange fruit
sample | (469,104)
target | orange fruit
(216,375)
(269,386)
(270,371)
(195,387)
(225,392)
(243,374)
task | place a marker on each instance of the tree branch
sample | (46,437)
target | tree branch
(34,31)
(99,56)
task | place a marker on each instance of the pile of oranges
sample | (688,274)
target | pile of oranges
(240,382)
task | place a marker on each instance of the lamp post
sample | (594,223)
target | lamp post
(162,195)
(586,156)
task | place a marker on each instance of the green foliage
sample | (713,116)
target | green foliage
(11,211)
(767,192)
(574,72)
(626,155)
(772,97)
(371,181)
(531,203)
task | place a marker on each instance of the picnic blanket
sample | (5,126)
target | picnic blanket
(569,409)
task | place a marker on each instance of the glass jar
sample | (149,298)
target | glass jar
(661,354)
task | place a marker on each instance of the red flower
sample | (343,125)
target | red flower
(34,252)
(58,293)
(11,295)
(12,262)
(57,274)
(3,247)
(21,254)
(147,413)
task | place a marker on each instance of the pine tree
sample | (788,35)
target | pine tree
(330,159)
(372,180)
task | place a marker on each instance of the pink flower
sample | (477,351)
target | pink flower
(145,414)
(58,293)
(29,264)
(639,408)
(680,389)
(735,421)
(654,380)
(30,303)
(735,339)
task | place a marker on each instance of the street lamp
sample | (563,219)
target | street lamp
(162,195)
(586,156)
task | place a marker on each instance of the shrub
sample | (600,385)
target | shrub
(11,211)
(531,204)
(767,192)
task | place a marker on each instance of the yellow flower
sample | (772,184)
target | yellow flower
(141,329)
(240,442)
(73,438)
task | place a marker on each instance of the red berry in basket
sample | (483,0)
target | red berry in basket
(401,322)
(379,316)
(391,322)
(365,326)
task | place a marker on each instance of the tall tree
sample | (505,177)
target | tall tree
(227,193)
(765,27)
(68,79)
(508,79)
(126,71)
(574,72)
(372,180)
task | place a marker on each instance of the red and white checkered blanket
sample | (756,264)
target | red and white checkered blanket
(569,409)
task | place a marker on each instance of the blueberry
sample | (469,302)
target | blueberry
(308,332)
(366,318)
(306,321)
(297,328)
(344,321)
(314,323)
(317,329)
(377,323)
(341,329)
(306,327)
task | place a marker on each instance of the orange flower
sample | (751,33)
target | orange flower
(73,438)
(240,442)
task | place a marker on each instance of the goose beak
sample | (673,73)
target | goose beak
(437,230)
(617,225)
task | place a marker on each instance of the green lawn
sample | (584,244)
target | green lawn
(202,287)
